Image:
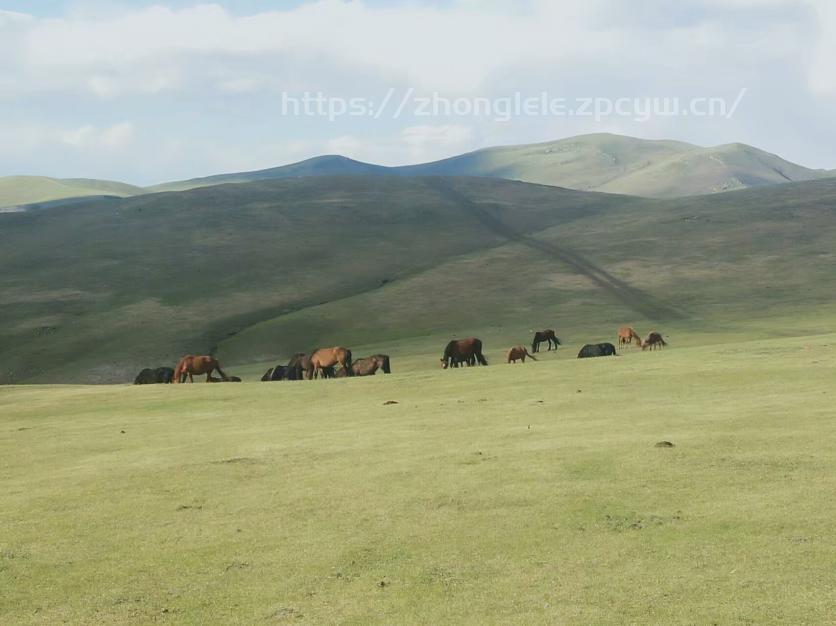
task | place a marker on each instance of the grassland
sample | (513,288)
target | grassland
(519,494)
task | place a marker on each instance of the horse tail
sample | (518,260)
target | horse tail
(218,367)
(348,370)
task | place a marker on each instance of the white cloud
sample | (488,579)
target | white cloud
(202,82)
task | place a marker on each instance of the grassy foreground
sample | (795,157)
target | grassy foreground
(502,495)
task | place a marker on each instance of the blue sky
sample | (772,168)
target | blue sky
(153,91)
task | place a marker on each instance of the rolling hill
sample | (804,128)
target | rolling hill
(22,190)
(95,289)
(598,162)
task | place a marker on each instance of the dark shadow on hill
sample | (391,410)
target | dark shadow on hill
(632,297)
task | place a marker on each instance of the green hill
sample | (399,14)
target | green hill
(101,287)
(597,162)
(20,190)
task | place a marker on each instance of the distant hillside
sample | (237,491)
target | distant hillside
(598,162)
(19,190)
(331,165)
(100,287)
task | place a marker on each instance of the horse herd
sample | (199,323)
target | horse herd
(337,362)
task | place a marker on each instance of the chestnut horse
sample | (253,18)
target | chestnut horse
(518,352)
(191,364)
(460,351)
(544,335)
(626,334)
(363,367)
(329,357)
(654,340)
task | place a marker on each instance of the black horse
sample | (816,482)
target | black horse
(544,335)
(597,349)
(159,376)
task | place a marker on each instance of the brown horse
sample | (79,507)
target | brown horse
(519,352)
(191,364)
(370,365)
(626,334)
(459,351)
(654,340)
(329,357)
(544,335)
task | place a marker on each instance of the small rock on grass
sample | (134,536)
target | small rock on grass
(664,444)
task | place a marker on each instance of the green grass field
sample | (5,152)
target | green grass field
(512,494)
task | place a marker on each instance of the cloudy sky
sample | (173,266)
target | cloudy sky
(152,91)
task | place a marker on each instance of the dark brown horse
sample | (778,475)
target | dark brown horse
(329,357)
(626,334)
(460,351)
(544,335)
(653,341)
(369,365)
(519,352)
(297,367)
(191,364)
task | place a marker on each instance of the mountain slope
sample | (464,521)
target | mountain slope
(597,162)
(329,165)
(255,271)
(20,190)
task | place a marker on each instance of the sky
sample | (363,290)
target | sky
(145,92)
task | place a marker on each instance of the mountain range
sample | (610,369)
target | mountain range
(597,162)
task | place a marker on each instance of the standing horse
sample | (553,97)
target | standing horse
(329,357)
(519,352)
(460,351)
(654,340)
(191,364)
(544,335)
(626,334)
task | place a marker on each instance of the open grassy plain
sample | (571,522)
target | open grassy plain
(512,494)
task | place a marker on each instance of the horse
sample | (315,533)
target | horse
(329,357)
(519,352)
(191,364)
(626,334)
(297,367)
(460,351)
(544,335)
(370,365)
(597,349)
(654,340)
(161,375)
(275,373)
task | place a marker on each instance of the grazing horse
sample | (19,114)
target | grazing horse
(460,351)
(329,357)
(654,340)
(597,349)
(161,375)
(518,352)
(626,334)
(275,373)
(191,364)
(544,335)
(370,365)
(297,367)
